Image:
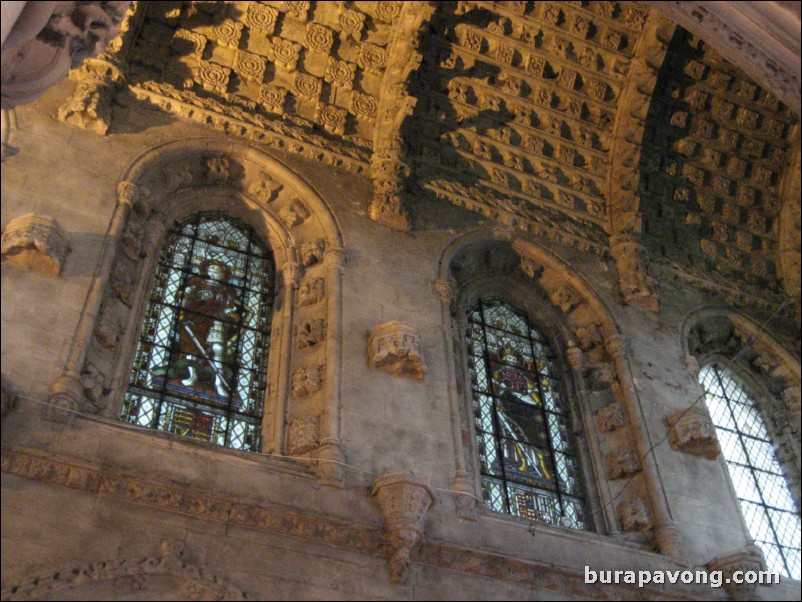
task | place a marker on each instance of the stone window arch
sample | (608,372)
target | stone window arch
(751,389)
(169,185)
(757,478)
(200,365)
(622,495)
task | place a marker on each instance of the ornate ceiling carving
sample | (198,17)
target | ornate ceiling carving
(550,117)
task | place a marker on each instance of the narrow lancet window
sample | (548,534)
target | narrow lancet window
(528,463)
(757,477)
(201,361)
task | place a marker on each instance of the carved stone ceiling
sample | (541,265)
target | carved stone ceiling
(715,151)
(547,116)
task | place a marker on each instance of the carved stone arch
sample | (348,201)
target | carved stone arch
(770,372)
(163,577)
(624,173)
(626,474)
(178,179)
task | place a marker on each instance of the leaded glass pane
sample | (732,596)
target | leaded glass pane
(202,354)
(521,422)
(757,477)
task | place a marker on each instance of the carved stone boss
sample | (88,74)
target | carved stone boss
(395,348)
(403,499)
(692,431)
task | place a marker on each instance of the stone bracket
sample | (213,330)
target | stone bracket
(691,431)
(36,243)
(403,499)
(395,348)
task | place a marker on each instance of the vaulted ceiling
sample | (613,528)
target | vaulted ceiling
(599,124)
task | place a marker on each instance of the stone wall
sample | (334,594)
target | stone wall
(127,512)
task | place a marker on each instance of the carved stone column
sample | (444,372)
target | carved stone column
(635,283)
(403,499)
(331,455)
(748,558)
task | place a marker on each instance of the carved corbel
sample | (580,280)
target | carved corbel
(403,499)
(388,172)
(331,462)
(395,348)
(692,431)
(89,106)
(749,558)
(66,398)
(637,287)
(35,243)
(444,289)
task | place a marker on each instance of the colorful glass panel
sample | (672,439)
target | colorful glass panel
(199,369)
(756,475)
(528,465)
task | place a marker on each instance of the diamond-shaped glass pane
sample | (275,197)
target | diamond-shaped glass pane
(493,493)
(196,352)
(514,383)
(756,475)
(792,559)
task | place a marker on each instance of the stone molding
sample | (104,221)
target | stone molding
(759,37)
(35,243)
(196,583)
(692,431)
(403,499)
(106,482)
(396,348)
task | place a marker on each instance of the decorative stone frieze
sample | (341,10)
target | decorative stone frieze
(307,381)
(403,499)
(396,348)
(692,431)
(36,243)
(634,515)
(611,417)
(266,188)
(622,462)
(302,435)
(294,214)
(746,560)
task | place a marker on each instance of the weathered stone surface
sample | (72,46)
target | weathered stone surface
(396,348)
(35,242)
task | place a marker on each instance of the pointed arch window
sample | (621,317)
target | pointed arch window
(528,463)
(200,365)
(757,477)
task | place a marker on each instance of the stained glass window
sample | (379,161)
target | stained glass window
(528,463)
(756,475)
(200,365)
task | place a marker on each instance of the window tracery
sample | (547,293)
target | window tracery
(201,361)
(528,464)
(764,497)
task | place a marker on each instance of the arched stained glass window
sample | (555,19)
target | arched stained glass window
(529,467)
(201,362)
(763,494)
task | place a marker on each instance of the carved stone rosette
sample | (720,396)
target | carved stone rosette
(692,431)
(748,558)
(35,242)
(403,499)
(395,348)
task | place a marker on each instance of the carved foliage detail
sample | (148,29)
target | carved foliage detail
(307,381)
(611,417)
(622,462)
(311,291)
(303,435)
(634,515)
